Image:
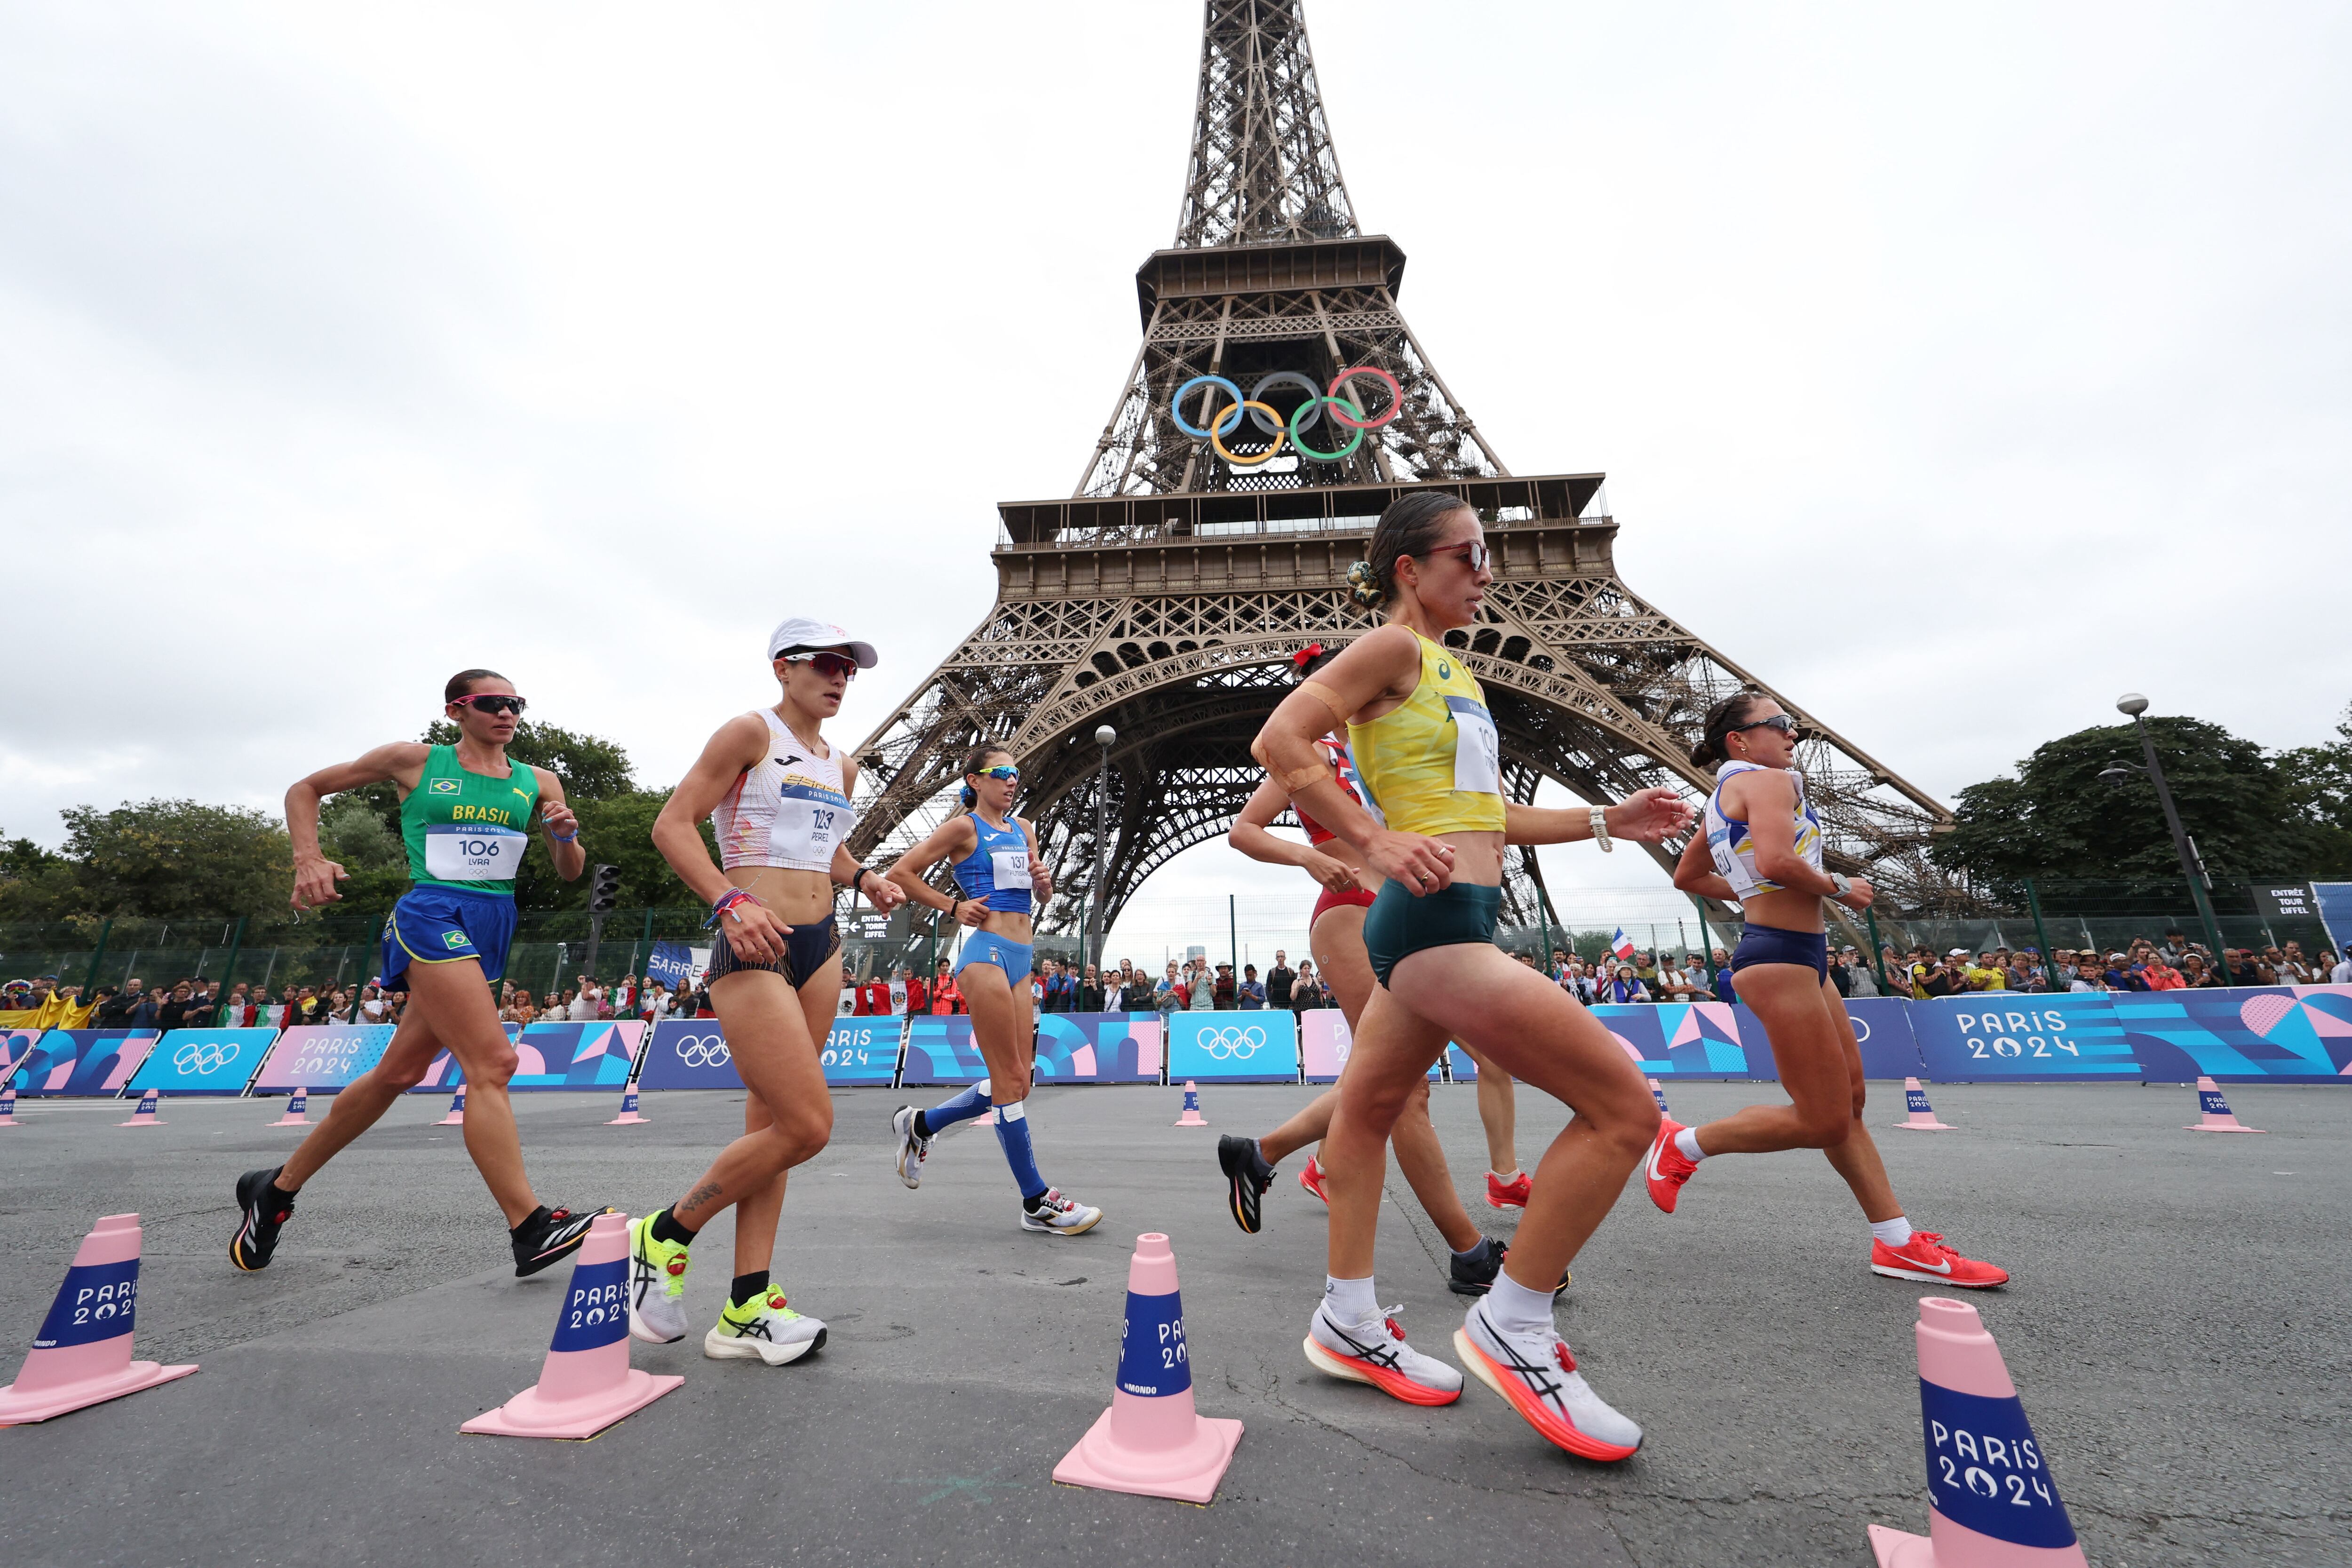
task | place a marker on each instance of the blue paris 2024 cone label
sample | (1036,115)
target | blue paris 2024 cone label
(1151,1357)
(2210,1101)
(1915,1100)
(595,1308)
(95,1303)
(1984,1471)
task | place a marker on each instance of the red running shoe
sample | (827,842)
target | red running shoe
(1311,1179)
(1510,1195)
(1668,1167)
(1926,1258)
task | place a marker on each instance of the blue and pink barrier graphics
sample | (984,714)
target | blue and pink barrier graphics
(83,1061)
(576,1056)
(204,1061)
(1099,1047)
(688,1053)
(861,1051)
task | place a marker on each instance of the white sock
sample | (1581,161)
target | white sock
(1507,1181)
(1350,1301)
(1687,1142)
(1894,1232)
(1515,1309)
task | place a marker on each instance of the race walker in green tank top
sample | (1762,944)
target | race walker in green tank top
(468,830)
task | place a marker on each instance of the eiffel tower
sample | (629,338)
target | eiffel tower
(1203,545)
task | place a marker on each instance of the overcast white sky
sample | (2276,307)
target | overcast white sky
(1955,371)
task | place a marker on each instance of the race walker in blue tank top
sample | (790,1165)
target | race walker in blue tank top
(996,873)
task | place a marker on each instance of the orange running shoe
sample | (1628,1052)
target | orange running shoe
(1537,1377)
(1311,1178)
(1374,1352)
(1926,1258)
(1668,1167)
(1510,1195)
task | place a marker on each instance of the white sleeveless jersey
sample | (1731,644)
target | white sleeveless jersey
(1734,848)
(788,811)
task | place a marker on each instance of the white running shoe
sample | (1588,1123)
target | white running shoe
(762,1330)
(1538,1377)
(912,1151)
(656,1285)
(1059,1216)
(1375,1352)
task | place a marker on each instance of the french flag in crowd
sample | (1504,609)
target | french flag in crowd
(1621,945)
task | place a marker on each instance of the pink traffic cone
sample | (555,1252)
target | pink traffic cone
(145,1115)
(456,1117)
(1192,1117)
(1923,1115)
(1659,1095)
(296,1105)
(2218,1117)
(586,1383)
(628,1116)
(8,1107)
(1151,1441)
(1991,1502)
(82,1354)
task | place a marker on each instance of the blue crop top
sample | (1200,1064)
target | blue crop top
(997,871)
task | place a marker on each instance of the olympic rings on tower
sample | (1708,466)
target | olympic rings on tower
(1224,422)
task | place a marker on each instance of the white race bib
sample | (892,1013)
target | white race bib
(809,829)
(454,853)
(1477,748)
(1012,868)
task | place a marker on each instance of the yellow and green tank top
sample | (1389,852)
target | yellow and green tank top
(1435,763)
(465,829)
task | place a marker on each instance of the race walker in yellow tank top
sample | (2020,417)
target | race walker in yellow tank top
(1432,764)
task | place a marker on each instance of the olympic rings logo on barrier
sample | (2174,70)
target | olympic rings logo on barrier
(1218,424)
(1237,1042)
(704,1051)
(204,1058)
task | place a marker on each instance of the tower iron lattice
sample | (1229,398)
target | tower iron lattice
(1203,545)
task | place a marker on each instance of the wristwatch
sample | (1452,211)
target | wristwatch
(1844,884)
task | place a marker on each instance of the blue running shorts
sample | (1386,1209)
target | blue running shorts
(442,925)
(987,947)
(1772,944)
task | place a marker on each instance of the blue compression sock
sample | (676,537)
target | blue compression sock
(971,1102)
(1012,1131)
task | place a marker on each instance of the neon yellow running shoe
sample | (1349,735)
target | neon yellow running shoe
(656,1284)
(765,1328)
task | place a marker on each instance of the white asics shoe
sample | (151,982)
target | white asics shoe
(763,1329)
(1059,1216)
(656,1285)
(1535,1373)
(1375,1352)
(912,1151)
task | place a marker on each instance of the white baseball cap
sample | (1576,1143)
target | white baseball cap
(798,631)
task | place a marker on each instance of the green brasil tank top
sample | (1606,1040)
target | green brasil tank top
(465,829)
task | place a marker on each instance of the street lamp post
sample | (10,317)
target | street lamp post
(2192,865)
(1104,736)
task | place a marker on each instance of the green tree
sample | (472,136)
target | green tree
(616,832)
(164,858)
(2319,782)
(2058,819)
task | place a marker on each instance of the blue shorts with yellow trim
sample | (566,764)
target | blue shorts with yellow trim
(442,925)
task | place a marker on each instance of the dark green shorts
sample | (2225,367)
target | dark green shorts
(1398,923)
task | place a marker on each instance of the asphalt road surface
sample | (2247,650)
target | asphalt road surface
(2175,1327)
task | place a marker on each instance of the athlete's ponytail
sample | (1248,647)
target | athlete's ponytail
(973,762)
(1412,525)
(1721,719)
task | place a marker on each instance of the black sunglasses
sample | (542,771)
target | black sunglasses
(1781,721)
(491,702)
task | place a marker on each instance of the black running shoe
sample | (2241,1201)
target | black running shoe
(256,1234)
(548,1237)
(1477,1279)
(1247,1177)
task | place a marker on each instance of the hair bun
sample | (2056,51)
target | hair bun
(1364,587)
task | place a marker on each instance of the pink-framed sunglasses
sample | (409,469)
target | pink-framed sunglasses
(491,702)
(827,664)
